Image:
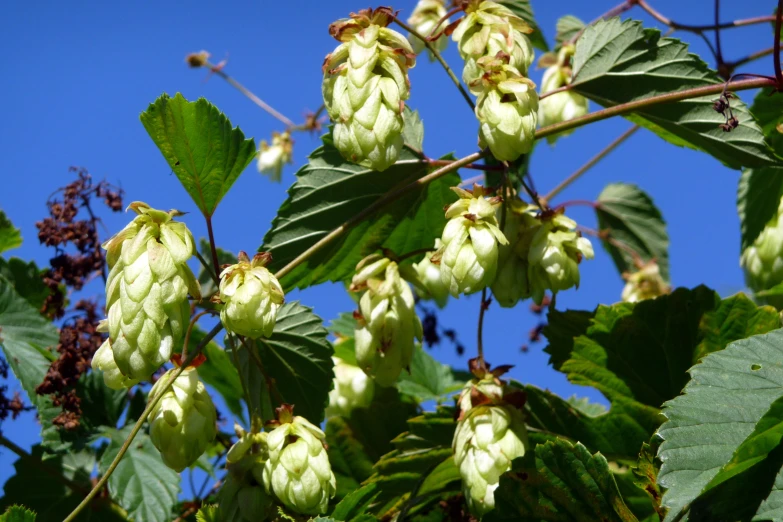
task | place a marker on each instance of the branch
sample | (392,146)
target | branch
(438,57)
(701,28)
(749,58)
(590,164)
(139,423)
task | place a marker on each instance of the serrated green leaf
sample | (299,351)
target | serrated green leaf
(219,372)
(619,61)
(715,428)
(26,279)
(18,514)
(524,10)
(141,483)
(299,359)
(645,475)
(632,219)
(200,146)
(427,379)
(10,237)
(559,481)
(413,132)
(356,504)
(329,191)
(567,28)
(207,514)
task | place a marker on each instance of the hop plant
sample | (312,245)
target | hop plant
(429,283)
(183,422)
(352,389)
(252,296)
(763,259)
(469,255)
(298,470)
(365,86)
(487,29)
(490,434)
(387,320)
(645,283)
(562,106)
(507,109)
(271,158)
(425,18)
(512,283)
(146,293)
(555,253)
(103,361)
(242,497)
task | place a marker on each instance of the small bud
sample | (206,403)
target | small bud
(562,106)
(271,158)
(646,283)
(430,283)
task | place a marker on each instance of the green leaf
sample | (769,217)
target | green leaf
(18,514)
(298,357)
(559,481)
(633,220)
(343,328)
(567,28)
(10,237)
(207,514)
(219,372)
(722,436)
(141,483)
(646,475)
(356,504)
(427,379)
(413,132)
(350,462)
(619,61)
(524,10)
(26,278)
(200,146)
(329,191)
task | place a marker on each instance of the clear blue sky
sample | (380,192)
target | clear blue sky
(77,77)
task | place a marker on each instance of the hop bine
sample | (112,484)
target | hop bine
(490,434)
(146,295)
(562,106)
(387,320)
(272,158)
(365,86)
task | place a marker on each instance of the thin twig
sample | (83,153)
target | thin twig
(472,166)
(701,28)
(152,402)
(718,50)
(190,329)
(472,180)
(212,273)
(751,57)
(440,59)
(590,164)
(484,305)
(530,192)
(213,247)
(776,50)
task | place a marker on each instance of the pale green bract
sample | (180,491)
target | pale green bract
(561,106)
(365,85)
(146,295)
(298,470)
(272,157)
(352,389)
(430,285)
(252,296)
(388,325)
(512,283)
(763,259)
(424,19)
(183,422)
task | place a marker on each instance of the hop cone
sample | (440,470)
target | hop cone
(511,283)
(352,389)
(490,434)
(365,86)
(182,423)
(147,292)
(242,497)
(646,283)
(424,19)
(469,256)
(763,260)
(103,361)
(555,253)
(487,29)
(430,285)
(387,320)
(298,469)
(252,296)
(271,158)
(507,109)
(565,105)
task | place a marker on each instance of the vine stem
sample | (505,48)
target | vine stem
(590,164)
(440,59)
(139,423)
(776,49)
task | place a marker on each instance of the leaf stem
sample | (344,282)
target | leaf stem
(440,59)
(209,270)
(213,249)
(152,402)
(590,164)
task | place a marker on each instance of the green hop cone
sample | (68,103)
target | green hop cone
(487,29)
(645,283)
(424,19)
(252,296)
(387,320)
(103,361)
(490,434)
(555,253)
(429,283)
(365,86)
(469,256)
(352,389)
(763,259)
(243,497)
(147,291)
(183,422)
(271,158)
(511,283)
(298,470)
(507,109)
(562,106)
